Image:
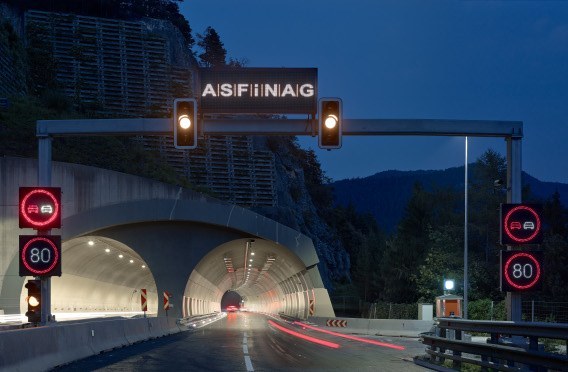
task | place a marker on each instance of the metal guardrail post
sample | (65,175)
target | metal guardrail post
(457,363)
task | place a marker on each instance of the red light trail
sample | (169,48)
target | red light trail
(355,338)
(305,337)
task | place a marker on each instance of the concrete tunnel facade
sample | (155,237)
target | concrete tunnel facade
(168,239)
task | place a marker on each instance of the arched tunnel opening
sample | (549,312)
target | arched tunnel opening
(264,275)
(102,277)
(232,298)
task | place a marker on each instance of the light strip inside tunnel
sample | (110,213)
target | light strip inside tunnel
(305,337)
(355,338)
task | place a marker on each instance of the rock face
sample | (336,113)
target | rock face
(296,209)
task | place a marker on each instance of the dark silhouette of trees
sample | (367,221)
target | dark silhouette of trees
(214,53)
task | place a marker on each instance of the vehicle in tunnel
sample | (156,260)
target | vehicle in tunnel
(231,309)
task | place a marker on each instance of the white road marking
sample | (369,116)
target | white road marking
(248,364)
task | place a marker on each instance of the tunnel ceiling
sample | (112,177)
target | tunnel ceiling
(100,259)
(249,267)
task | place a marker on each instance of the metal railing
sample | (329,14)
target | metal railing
(541,311)
(499,353)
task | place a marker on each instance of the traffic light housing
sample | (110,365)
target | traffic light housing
(330,123)
(34,301)
(185,123)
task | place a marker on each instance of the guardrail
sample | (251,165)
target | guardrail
(498,353)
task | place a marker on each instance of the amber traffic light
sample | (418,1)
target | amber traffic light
(185,123)
(330,123)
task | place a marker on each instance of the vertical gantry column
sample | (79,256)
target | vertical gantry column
(514,167)
(44,179)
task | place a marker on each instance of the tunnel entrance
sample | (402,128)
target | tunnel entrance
(258,274)
(102,277)
(232,298)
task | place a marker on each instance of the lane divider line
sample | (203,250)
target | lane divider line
(319,341)
(355,338)
(248,363)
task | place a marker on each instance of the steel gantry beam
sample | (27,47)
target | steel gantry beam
(291,127)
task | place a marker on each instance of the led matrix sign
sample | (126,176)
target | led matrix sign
(258,90)
(521,224)
(40,207)
(521,271)
(40,255)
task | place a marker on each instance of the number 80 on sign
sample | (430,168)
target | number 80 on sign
(40,255)
(521,271)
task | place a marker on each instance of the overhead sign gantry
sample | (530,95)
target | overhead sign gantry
(243,91)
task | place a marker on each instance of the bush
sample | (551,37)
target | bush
(486,309)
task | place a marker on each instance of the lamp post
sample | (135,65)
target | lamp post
(465,273)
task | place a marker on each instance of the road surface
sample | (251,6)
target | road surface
(245,341)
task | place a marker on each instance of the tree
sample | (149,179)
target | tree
(214,53)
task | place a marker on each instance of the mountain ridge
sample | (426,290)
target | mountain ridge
(385,194)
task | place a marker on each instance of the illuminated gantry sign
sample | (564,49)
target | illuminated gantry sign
(40,255)
(521,271)
(258,91)
(521,224)
(40,207)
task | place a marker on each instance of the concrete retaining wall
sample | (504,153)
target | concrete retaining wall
(383,327)
(42,348)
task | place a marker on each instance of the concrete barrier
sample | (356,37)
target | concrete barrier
(107,335)
(27,350)
(73,342)
(136,330)
(43,348)
(379,327)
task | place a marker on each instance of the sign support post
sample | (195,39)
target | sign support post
(513,300)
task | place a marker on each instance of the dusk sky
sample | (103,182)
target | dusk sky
(495,60)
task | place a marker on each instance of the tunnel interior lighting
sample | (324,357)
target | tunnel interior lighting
(143,266)
(120,256)
(131,261)
(107,250)
(229,264)
(91,243)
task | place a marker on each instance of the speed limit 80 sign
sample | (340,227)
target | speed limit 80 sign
(521,271)
(40,255)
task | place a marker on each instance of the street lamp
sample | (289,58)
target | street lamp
(449,284)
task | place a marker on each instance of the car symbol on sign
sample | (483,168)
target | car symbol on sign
(515,225)
(528,225)
(46,209)
(32,208)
